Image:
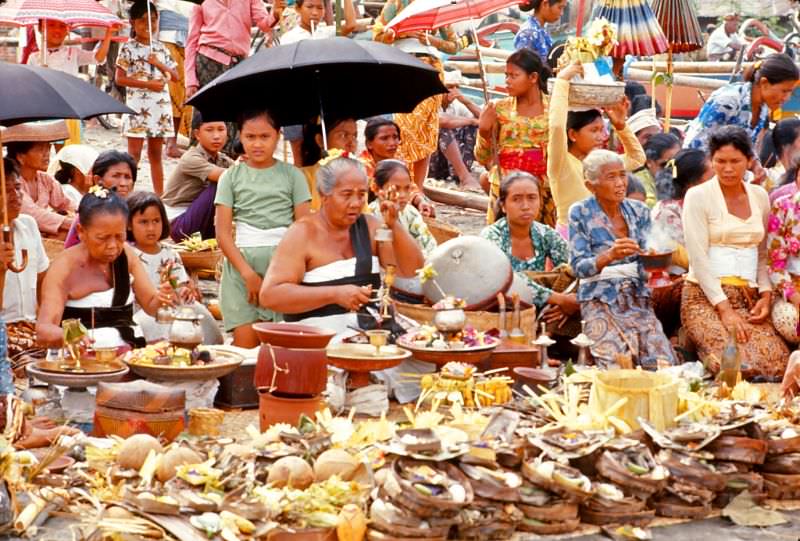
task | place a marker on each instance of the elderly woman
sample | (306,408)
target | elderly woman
(96,281)
(528,243)
(326,268)
(728,291)
(607,233)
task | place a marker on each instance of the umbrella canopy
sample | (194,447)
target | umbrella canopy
(425,15)
(30,93)
(679,22)
(337,76)
(73,12)
(638,31)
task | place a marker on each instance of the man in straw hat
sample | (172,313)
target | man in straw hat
(29,146)
(458,126)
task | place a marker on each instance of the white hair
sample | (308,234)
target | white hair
(328,175)
(597,160)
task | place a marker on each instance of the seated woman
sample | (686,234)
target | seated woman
(659,149)
(572,135)
(528,243)
(341,134)
(96,281)
(728,291)
(29,146)
(607,233)
(112,170)
(326,268)
(147,227)
(689,167)
(393,181)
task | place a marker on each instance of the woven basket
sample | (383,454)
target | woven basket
(482,321)
(591,95)
(52,247)
(441,231)
(205,421)
(203,263)
(650,395)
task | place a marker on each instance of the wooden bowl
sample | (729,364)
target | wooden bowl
(472,355)
(657,261)
(361,359)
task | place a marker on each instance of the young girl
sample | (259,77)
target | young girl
(262,196)
(145,66)
(147,227)
(112,170)
(311,25)
(73,169)
(392,179)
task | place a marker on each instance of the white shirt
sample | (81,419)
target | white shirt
(298,33)
(456,108)
(719,42)
(72,193)
(66,59)
(153,262)
(19,293)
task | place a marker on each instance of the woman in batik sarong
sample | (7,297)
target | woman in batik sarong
(728,290)
(516,129)
(607,233)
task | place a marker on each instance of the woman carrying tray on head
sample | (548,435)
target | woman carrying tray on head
(97,280)
(573,135)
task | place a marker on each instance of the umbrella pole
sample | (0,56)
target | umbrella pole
(149,27)
(668,110)
(43,52)
(322,119)
(3,188)
(579,22)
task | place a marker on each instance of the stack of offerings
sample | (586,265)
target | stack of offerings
(631,477)
(692,488)
(493,513)
(781,468)
(551,500)
(417,499)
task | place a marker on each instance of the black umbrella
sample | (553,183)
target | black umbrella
(336,76)
(29,93)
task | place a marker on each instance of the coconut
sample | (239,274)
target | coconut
(174,458)
(135,449)
(335,462)
(291,471)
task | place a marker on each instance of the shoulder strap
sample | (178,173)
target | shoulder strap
(122,281)
(362,246)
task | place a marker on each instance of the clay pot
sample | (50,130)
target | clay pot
(298,352)
(274,409)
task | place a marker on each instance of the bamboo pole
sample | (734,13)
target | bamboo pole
(474,68)
(686,67)
(668,111)
(702,83)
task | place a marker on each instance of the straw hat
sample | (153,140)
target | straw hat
(35,132)
(80,156)
(645,118)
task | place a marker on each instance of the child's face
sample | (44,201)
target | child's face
(311,11)
(259,140)
(147,226)
(212,136)
(143,29)
(344,136)
(56,32)
(117,176)
(400,184)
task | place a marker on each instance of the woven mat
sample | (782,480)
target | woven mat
(237,421)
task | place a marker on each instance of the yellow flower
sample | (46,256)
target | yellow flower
(426,273)
(333,154)
(98,191)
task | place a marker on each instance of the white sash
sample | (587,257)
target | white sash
(739,262)
(248,236)
(624,270)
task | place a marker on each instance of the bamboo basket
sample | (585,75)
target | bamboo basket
(52,247)
(201,263)
(441,231)
(205,421)
(591,95)
(482,321)
(650,395)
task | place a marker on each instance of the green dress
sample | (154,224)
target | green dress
(264,199)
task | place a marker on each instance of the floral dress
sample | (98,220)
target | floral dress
(153,116)
(533,36)
(547,243)
(615,302)
(522,146)
(731,105)
(412,220)
(783,246)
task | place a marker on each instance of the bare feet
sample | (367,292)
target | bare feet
(470,183)
(173,151)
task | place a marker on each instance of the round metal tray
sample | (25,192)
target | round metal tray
(224,363)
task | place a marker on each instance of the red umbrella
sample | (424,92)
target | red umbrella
(427,15)
(72,12)
(638,31)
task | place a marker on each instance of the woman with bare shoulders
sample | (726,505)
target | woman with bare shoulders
(327,267)
(97,280)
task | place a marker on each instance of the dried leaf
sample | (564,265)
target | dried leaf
(743,511)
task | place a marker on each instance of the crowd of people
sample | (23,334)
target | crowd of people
(587,189)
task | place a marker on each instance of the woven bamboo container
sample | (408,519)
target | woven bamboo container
(201,263)
(205,421)
(650,395)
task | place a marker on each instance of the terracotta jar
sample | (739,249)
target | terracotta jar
(274,409)
(292,359)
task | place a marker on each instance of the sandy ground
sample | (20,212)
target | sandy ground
(468,221)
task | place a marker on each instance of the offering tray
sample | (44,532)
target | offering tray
(442,356)
(74,380)
(361,359)
(89,365)
(223,362)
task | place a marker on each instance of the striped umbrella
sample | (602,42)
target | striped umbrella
(72,12)
(638,31)
(679,22)
(429,15)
